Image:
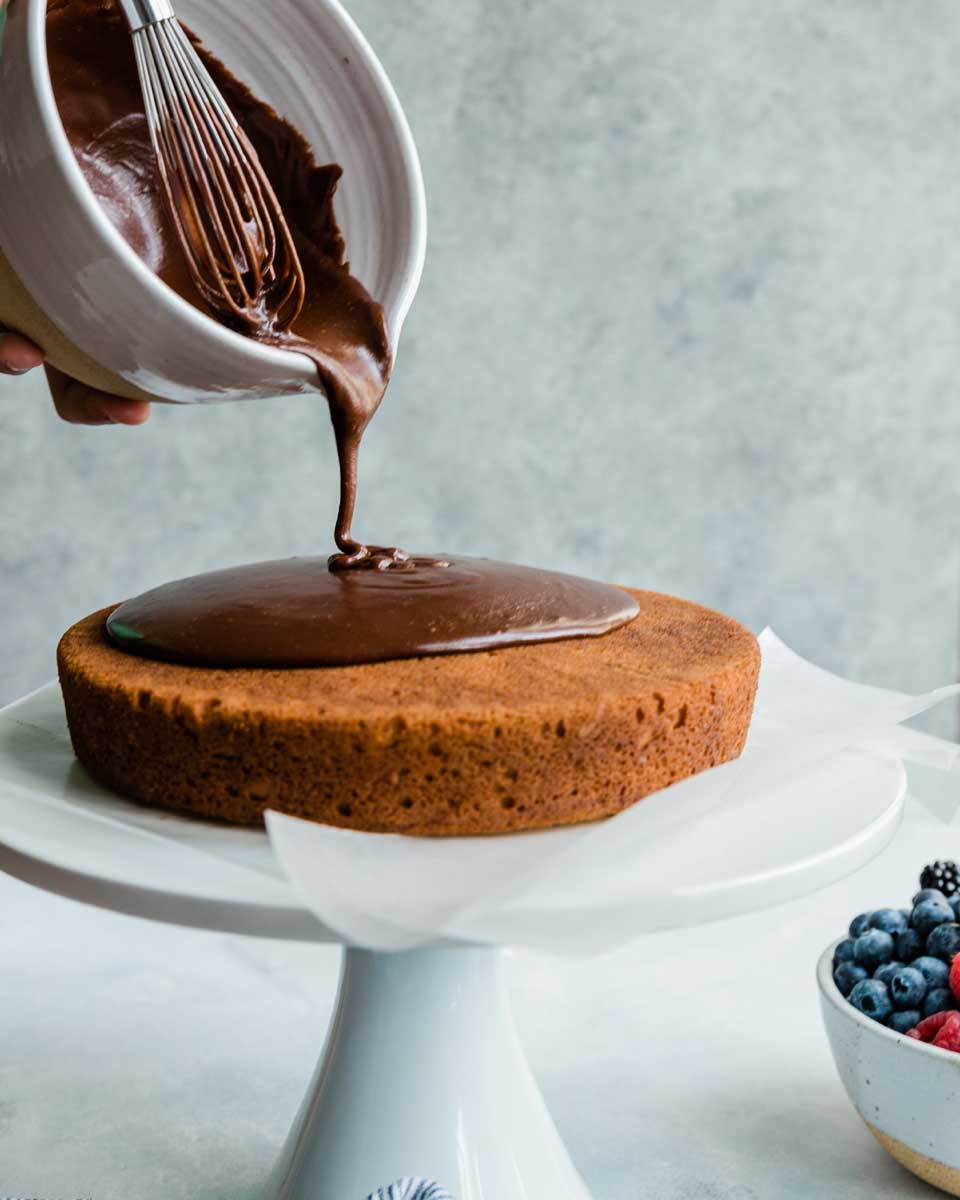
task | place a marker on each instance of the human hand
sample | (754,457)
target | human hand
(73,400)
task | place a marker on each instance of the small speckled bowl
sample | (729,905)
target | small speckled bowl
(907,1093)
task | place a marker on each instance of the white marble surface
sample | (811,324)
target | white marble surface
(138,1060)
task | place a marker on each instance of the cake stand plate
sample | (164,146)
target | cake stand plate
(423,1073)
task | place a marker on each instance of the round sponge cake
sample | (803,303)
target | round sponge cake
(521,738)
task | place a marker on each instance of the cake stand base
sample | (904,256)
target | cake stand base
(423,1074)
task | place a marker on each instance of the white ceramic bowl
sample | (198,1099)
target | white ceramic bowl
(906,1092)
(314,67)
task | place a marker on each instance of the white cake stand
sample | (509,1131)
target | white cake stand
(423,1072)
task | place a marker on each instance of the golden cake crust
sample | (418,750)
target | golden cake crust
(521,738)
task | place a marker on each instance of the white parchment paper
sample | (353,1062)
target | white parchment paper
(818,756)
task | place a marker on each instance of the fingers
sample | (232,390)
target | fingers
(82,405)
(74,401)
(17,355)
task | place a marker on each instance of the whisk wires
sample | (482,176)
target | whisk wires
(235,238)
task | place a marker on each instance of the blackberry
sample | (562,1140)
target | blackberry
(944,876)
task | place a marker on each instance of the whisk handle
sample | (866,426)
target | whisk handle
(139,13)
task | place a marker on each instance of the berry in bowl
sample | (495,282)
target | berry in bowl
(890,995)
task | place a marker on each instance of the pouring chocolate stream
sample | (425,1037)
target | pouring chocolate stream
(340,327)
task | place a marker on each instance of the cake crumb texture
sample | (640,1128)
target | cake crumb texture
(526,737)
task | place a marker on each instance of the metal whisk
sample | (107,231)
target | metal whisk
(234,235)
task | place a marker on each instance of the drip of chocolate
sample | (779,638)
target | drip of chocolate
(298,613)
(341,328)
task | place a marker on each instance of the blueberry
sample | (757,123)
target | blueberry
(887,971)
(903,1022)
(939,1000)
(859,924)
(872,999)
(844,952)
(928,914)
(910,945)
(907,988)
(934,970)
(944,942)
(872,948)
(954,903)
(890,920)
(847,976)
(928,894)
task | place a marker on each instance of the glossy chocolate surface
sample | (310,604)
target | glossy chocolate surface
(298,613)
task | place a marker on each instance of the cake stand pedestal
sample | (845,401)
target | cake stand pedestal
(423,1073)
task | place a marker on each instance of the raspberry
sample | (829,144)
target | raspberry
(949,1036)
(928,1029)
(955,977)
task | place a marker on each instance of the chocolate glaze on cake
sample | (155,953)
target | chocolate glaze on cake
(298,613)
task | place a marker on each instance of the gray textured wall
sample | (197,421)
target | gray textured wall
(690,320)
